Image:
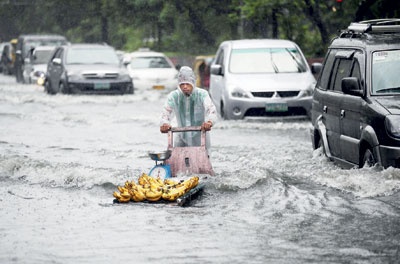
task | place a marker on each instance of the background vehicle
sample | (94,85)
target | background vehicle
(36,64)
(152,70)
(2,44)
(7,61)
(87,68)
(28,42)
(356,103)
(261,77)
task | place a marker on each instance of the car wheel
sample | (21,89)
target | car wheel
(62,89)
(130,90)
(222,111)
(369,159)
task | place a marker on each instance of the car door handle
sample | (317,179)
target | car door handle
(342,113)
(325,109)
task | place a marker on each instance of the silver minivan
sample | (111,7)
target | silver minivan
(261,78)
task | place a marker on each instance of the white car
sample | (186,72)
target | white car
(35,66)
(266,78)
(151,70)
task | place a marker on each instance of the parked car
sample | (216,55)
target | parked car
(261,77)
(152,70)
(356,103)
(36,64)
(7,60)
(87,68)
(26,43)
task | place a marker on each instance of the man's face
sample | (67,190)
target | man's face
(186,88)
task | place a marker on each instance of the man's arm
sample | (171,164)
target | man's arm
(210,111)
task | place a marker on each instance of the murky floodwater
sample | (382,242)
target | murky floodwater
(273,199)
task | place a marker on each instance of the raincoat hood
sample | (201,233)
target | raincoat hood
(186,75)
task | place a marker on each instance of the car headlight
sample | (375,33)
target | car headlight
(238,92)
(125,77)
(308,92)
(73,76)
(392,124)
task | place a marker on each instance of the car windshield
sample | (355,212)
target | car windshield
(266,60)
(42,56)
(91,56)
(149,62)
(385,72)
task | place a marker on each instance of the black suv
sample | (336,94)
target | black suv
(356,103)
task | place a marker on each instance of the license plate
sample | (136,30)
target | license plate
(158,87)
(101,86)
(276,107)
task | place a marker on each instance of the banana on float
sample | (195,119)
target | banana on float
(120,198)
(153,195)
(139,194)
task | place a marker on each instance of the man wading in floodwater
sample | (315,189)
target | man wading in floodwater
(192,106)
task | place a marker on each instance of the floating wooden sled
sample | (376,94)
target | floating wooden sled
(184,200)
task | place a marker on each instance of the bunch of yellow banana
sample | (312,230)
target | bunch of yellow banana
(154,189)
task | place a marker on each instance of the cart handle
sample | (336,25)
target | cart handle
(186,129)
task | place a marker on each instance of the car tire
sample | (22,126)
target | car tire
(369,159)
(62,88)
(320,143)
(48,88)
(130,90)
(222,111)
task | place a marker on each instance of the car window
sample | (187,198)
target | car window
(266,60)
(342,69)
(149,62)
(385,72)
(91,56)
(220,57)
(33,43)
(356,72)
(323,81)
(41,56)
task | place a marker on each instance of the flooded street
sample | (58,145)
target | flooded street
(273,199)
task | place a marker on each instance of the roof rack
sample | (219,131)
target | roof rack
(386,25)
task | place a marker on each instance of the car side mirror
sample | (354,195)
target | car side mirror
(351,85)
(126,61)
(316,67)
(216,69)
(56,61)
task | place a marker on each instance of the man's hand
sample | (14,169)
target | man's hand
(206,126)
(165,128)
